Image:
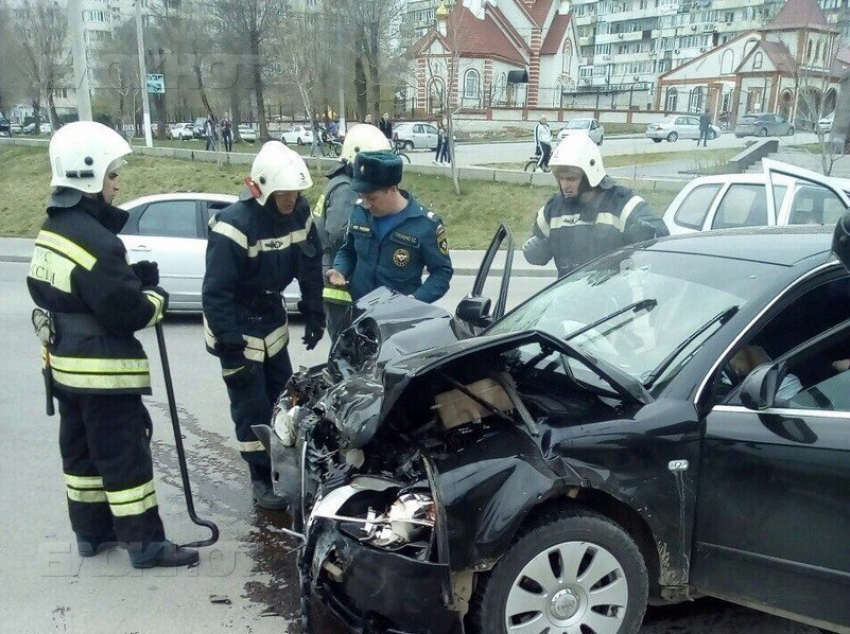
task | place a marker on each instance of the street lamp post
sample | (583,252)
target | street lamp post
(146,106)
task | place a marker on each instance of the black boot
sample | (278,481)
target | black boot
(164,554)
(265,498)
(91,545)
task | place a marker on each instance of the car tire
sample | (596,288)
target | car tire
(408,145)
(656,140)
(791,131)
(673,137)
(601,139)
(591,542)
(763,132)
(283,140)
(712,135)
(299,141)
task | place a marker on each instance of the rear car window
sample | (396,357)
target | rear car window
(742,206)
(691,213)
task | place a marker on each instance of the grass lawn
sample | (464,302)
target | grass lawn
(471,218)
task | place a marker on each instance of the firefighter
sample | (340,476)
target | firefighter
(333,210)
(256,247)
(591,215)
(391,238)
(98,369)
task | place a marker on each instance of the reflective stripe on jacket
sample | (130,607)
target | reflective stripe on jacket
(80,273)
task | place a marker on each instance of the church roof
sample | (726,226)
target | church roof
(800,14)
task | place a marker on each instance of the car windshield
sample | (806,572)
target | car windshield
(578,124)
(645,312)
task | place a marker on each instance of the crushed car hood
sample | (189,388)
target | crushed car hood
(406,339)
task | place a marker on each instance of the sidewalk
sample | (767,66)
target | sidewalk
(466,262)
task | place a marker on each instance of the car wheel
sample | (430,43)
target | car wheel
(408,145)
(283,140)
(299,141)
(673,137)
(791,131)
(575,572)
(657,140)
(712,135)
(763,132)
(601,139)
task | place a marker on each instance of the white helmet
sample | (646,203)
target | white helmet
(82,153)
(364,137)
(276,168)
(578,150)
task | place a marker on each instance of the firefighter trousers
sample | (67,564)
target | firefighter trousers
(252,404)
(106,458)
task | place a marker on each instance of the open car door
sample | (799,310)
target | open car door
(815,198)
(476,312)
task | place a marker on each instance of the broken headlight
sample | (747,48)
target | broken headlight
(409,519)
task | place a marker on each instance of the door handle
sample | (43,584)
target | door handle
(141,247)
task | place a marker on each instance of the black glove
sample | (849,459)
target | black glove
(236,370)
(147,272)
(314,329)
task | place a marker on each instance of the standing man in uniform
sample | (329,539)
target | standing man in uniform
(391,238)
(590,216)
(257,246)
(98,369)
(333,210)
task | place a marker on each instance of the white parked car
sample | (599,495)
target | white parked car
(416,134)
(740,200)
(181,132)
(298,134)
(585,125)
(678,126)
(171,230)
(247,133)
(825,124)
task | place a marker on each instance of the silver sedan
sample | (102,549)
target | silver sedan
(585,125)
(171,230)
(678,126)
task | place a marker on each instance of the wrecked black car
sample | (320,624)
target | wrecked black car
(665,423)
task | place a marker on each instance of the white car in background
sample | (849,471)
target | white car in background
(171,230)
(416,134)
(584,125)
(181,132)
(678,126)
(298,134)
(729,201)
(247,133)
(825,124)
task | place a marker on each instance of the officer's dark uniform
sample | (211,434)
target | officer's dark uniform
(575,232)
(396,260)
(331,215)
(79,273)
(253,253)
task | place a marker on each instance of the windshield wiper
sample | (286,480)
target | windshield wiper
(636,307)
(721,317)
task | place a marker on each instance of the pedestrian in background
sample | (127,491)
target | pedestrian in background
(227,132)
(96,300)
(704,127)
(210,133)
(441,140)
(386,126)
(446,154)
(316,145)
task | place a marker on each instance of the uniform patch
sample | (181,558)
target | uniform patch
(443,243)
(361,228)
(401,257)
(403,237)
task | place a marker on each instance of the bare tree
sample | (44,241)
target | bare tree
(11,86)
(41,51)
(254,22)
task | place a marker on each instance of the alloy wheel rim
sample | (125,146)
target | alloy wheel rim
(571,587)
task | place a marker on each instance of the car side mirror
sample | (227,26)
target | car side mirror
(475,311)
(758,391)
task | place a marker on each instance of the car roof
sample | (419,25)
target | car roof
(784,246)
(155,198)
(759,179)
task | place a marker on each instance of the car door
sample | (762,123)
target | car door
(171,234)
(476,311)
(430,136)
(420,139)
(742,205)
(815,198)
(772,509)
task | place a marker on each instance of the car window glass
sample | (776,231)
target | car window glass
(819,378)
(417,129)
(691,213)
(172,219)
(815,204)
(743,205)
(430,129)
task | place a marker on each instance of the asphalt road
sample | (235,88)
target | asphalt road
(246,582)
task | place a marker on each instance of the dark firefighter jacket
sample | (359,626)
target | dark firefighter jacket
(332,211)
(574,232)
(398,259)
(80,274)
(253,253)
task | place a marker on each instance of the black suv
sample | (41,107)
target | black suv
(668,422)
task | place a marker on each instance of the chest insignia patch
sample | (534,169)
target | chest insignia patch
(401,257)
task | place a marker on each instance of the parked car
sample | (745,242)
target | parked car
(678,126)
(198,127)
(764,124)
(298,134)
(181,132)
(43,128)
(416,135)
(16,128)
(5,127)
(588,126)
(247,133)
(606,444)
(740,200)
(825,124)
(171,230)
